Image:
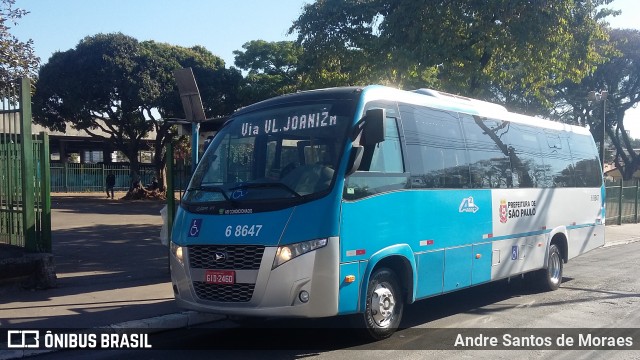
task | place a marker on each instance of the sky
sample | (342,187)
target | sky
(221,26)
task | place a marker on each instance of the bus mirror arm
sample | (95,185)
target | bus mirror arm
(355,157)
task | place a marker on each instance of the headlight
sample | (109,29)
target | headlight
(288,252)
(178,252)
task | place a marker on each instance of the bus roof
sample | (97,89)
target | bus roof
(424,97)
(445,101)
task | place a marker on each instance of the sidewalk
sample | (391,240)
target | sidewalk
(112,269)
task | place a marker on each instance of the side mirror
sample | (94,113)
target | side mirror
(373,131)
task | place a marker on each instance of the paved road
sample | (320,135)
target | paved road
(601,290)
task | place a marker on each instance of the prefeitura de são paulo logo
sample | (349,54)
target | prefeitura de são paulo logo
(503,211)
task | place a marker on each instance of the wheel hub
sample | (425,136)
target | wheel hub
(554,269)
(382,305)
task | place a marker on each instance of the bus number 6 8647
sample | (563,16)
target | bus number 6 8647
(243,230)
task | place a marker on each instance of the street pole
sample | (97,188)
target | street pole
(597,97)
(603,96)
(195,136)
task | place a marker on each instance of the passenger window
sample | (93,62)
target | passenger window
(381,169)
(489,161)
(525,156)
(435,148)
(586,163)
(556,157)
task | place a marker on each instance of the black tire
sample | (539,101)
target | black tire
(384,307)
(549,279)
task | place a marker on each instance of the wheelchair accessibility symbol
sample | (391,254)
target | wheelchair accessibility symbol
(238,194)
(194,228)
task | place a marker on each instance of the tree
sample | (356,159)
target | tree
(273,69)
(620,76)
(121,90)
(341,43)
(499,50)
(17,58)
(219,88)
(98,87)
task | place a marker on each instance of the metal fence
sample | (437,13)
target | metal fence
(74,177)
(622,201)
(25,204)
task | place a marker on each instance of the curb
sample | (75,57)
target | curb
(621,242)
(153,325)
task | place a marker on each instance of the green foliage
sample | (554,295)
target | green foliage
(119,89)
(273,69)
(620,76)
(271,58)
(218,86)
(17,58)
(500,50)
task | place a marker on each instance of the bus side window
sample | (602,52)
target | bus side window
(586,164)
(525,156)
(387,156)
(381,169)
(489,160)
(556,156)
(435,148)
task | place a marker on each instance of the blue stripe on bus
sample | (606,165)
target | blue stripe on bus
(572,227)
(538,232)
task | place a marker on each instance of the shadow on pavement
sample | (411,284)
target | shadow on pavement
(101,205)
(110,264)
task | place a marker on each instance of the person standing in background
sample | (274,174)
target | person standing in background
(110,183)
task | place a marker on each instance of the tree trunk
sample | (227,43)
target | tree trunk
(134,173)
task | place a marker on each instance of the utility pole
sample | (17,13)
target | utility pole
(601,97)
(192,104)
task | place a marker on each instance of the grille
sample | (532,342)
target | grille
(238,257)
(224,293)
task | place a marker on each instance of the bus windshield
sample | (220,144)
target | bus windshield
(289,152)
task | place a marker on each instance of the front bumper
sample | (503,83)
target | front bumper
(275,292)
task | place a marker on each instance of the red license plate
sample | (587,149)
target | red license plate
(220,277)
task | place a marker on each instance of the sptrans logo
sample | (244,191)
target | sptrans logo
(467,205)
(503,211)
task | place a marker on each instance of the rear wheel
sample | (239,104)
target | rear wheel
(384,305)
(550,278)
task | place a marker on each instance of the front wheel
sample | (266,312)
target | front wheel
(550,278)
(384,305)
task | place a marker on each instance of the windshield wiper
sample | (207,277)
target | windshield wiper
(212,189)
(266,185)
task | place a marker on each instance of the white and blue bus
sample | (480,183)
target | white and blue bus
(359,200)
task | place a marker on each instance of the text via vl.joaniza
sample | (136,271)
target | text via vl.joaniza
(293,123)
